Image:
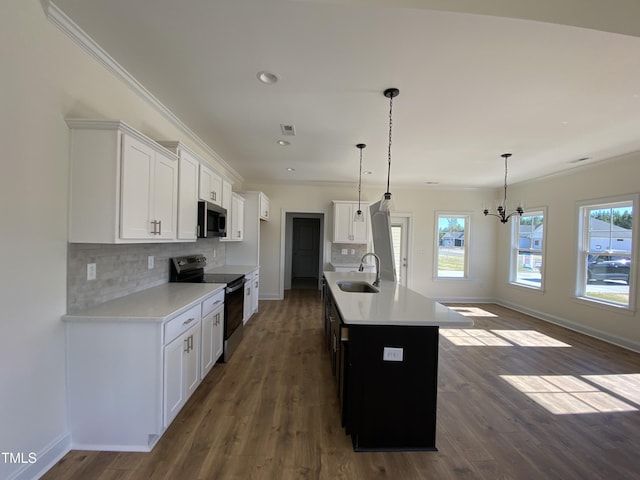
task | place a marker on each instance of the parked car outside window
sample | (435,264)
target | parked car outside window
(608,267)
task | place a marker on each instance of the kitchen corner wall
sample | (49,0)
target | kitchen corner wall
(123,269)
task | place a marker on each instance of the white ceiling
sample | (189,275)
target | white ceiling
(472,85)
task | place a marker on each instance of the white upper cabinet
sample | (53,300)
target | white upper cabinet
(123,187)
(265,207)
(188,174)
(345,229)
(226,195)
(210,186)
(237,218)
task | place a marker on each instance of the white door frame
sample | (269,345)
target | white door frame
(408,218)
(283,240)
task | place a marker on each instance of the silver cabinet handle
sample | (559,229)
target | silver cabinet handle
(186,345)
(187,322)
(159,227)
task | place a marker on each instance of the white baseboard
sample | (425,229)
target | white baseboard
(563,322)
(45,459)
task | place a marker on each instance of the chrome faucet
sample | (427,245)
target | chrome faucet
(377,260)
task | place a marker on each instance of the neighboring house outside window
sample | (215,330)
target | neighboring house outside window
(527,249)
(607,251)
(451,255)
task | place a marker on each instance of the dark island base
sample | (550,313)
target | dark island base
(391,405)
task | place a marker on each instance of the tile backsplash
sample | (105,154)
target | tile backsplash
(123,269)
(337,257)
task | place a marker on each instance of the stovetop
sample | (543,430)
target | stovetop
(190,269)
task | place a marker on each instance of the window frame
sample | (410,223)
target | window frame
(582,212)
(515,248)
(467,236)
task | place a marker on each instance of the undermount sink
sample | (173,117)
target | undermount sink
(357,287)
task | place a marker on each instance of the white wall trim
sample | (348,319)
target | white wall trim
(590,332)
(69,27)
(46,459)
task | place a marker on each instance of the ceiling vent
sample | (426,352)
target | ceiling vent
(288,129)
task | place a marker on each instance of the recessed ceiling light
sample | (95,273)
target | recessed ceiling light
(578,160)
(289,169)
(432,183)
(283,143)
(266,77)
(367,172)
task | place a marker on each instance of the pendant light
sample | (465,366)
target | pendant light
(502,207)
(359,216)
(386,204)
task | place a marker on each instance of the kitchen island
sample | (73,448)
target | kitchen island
(384,355)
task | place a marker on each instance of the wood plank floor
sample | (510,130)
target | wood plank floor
(507,388)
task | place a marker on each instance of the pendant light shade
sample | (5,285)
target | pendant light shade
(359,216)
(386,204)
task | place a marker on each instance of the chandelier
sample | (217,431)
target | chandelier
(501,208)
(359,217)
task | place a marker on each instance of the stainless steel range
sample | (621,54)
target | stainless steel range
(190,269)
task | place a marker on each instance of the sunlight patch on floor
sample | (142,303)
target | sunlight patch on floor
(473,337)
(499,338)
(472,312)
(623,385)
(530,338)
(567,394)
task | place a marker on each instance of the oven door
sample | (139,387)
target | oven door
(234,307)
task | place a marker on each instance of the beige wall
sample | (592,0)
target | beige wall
(421,203)
(560,195)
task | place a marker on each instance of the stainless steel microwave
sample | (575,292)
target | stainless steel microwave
(212,220)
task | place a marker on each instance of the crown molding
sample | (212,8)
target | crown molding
(71,29)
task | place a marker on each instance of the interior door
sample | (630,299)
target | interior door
(306,248)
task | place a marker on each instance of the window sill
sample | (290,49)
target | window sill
(611,307)
(522,286)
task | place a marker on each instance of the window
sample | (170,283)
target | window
(527,249)
(451,246)
(606,252)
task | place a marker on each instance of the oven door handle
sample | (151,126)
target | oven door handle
(235,288)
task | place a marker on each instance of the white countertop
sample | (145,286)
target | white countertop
(392,305)
(239,269)
(155,304)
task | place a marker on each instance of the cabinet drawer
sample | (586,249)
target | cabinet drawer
(181,323)
(213,302)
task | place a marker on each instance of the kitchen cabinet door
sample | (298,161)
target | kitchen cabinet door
(345,229)
(187,197)
(226,195)
(265,207)
(181,371)
(165,196)
(149,192)
(210,186)
(212,339)
(247,307)
(255,292)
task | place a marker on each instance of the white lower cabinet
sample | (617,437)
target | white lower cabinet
(181,371)
(131,368)
(212,332)
(247,308)
(251,293)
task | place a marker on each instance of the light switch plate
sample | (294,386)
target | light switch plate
(150,262)
(344,251)
(393,354)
